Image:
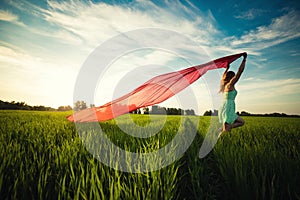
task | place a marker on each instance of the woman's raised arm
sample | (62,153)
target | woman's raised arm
(227,68)
(240,71)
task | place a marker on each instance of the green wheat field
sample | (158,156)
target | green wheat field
(42,157)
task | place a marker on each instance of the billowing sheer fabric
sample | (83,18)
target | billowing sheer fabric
(154,91)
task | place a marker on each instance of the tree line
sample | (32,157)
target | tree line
(244,113)
(5,105)
(80,105)
(164,111)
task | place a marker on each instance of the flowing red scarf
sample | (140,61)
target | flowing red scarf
(154,91)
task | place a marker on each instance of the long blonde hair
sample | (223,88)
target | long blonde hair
(226,79)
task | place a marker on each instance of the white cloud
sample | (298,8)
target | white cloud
(96,23)
(14,57)
(34,79)
(90,24)
(85,25)
(294,53)
(281,29)
(267,96)
(27,7)
(250,14)
(258,91)
(7,16)
(10,17)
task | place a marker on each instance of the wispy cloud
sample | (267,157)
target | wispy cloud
(294,53)
(250,14)
(270,88)
(10,17)
(80,26)
(89,24)
(34,79)
(14,57)
(95,23)
(26,7)
(281,29)
(85,25)
(279,95)
(7,16)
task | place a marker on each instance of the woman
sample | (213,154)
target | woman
(227,115)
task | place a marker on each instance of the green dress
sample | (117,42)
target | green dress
(227,109)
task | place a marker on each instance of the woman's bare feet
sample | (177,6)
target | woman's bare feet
(226,128)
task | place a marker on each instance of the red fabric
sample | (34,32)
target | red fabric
(154,91)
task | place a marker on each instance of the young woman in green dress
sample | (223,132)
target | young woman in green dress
(227,114)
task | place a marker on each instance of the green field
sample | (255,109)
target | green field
(42,157)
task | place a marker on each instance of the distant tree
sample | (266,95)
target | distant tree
(192,112)
(158,110)
(79,105)
(172,111)
(215,113)
(283,115)
(137,111)
(244,113)
(180,111)
(64,108)
(146,110)
(211,113)
(154,109)
(207,113)
(40,108)
(189,112)
(92,105)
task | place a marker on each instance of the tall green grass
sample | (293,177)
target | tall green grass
(42,157)
(263,159)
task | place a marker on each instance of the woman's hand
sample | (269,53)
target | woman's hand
(245,55)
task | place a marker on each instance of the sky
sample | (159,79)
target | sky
(45,44)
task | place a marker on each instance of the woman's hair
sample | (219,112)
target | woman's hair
(225,79)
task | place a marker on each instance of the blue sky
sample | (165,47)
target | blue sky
(43,45)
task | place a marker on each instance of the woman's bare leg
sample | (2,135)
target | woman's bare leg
(238,122)
(227,127)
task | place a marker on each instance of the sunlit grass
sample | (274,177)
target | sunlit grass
(42,157)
